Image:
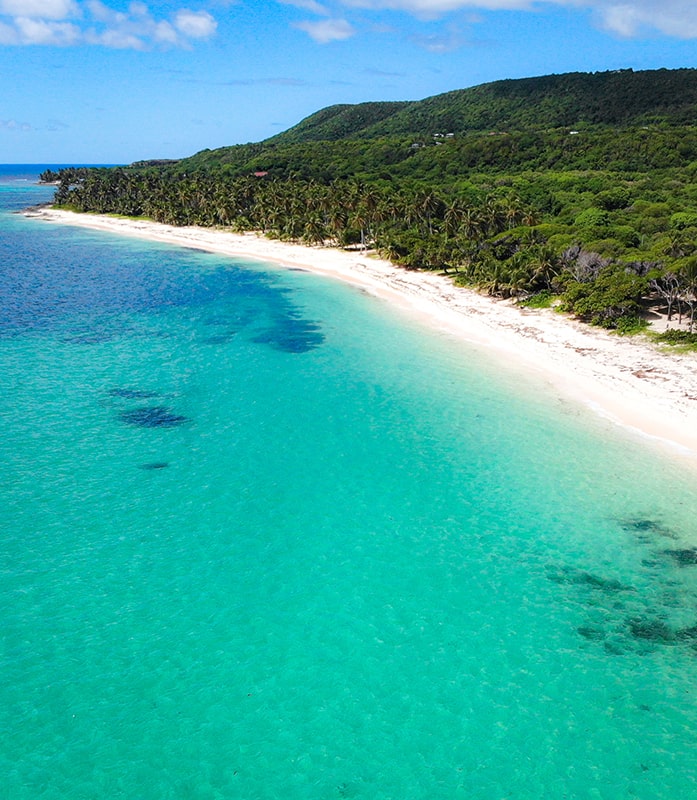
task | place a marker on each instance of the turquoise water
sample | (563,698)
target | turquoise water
(262,536)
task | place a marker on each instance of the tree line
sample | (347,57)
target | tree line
(594,245)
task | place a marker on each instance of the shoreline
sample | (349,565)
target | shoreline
(651,393)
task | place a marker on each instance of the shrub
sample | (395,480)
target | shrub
(612,300)
(592,218)
(628,326)
(542,299)
(613,199)
(548,229)
(683,219)
(675,336)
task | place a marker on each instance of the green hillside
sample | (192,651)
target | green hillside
(608,101)
(339,122)
(576,100)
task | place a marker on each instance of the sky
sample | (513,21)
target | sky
(116,81)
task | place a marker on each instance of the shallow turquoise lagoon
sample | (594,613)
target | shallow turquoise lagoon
(263,536)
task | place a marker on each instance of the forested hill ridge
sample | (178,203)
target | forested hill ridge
(575,100)
(363,138)
(340,122)
(577,189)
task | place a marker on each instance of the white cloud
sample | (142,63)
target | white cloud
(39,9)
(307,5)
(195,24)
(436,8)
(164,32)
(675,18)
(115,39)
(628,18)
(93,22)
(39,31)
(622,20)
(327,30)
(101,13)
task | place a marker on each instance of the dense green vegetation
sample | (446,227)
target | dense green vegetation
(574,100)
(599,218)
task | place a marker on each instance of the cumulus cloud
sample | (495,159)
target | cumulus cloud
(101,13)
(69,22)
(40,31)
(41,9)
(306,5)
(675,18)
(434,8)
(327,30)
(628,18)
(622,20)
(195,24)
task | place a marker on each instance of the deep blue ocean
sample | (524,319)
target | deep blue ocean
(264,536)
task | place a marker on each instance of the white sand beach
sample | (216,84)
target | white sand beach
(652,392)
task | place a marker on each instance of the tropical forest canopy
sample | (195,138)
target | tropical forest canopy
(579,187)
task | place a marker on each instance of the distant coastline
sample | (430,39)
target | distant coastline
(626,380)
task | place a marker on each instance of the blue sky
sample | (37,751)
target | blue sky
(114,81)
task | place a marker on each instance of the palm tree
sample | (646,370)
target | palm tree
(511,212)
(677,244)
(314,231)
(427,206)
(495,217)
(454,213)
(472,223)
(546,265)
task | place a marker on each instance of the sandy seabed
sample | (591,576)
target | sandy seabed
(649,391)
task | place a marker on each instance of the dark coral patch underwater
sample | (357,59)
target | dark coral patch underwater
(578,577)
(292,336)
(686,557)
(645,528)
(152,417)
